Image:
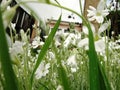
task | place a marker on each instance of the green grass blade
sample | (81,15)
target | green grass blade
(93,63)
(63,77)
(10,78)
(98,80)
(62,71)
(44,1)
(46,47)
(103,75)
(96,71)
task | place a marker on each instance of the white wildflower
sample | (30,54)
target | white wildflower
(61,33)
(85,29)
(46,37)
(59,36)
(17,48)
(59,87)
(99,41)
(72,63)
(24,36)
(57,43)
(104,27)
(83,43)
(36,42)
(99,44)
(72,39)
(101,29)
(51,55)
(42,70)
(99,13)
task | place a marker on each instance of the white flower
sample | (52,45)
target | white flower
(17,48)
(114,45)
(99,44)
(83,43)
(99,13)
(112,5)
(23,36)
(72,39)
(42,70)
(59,36)
(104,27)
(36,42)
(51,55)
(85,29)
(61,33)
(59,87)
(57,43)
(72,63)
(101,29)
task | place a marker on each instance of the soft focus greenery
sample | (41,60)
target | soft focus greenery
(73,60)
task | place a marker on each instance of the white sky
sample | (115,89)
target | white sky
(48,12)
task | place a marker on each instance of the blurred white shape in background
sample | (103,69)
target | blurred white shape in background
(51,12)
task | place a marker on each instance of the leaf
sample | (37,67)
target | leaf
(93,63)
(45,47)
(63,77)
(98,80)
(22,2)
(9,75)
(105,83)
(44,1)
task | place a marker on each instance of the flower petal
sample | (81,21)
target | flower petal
(100,45)
(104,27)
(83,42)
(92,8)
(99,19)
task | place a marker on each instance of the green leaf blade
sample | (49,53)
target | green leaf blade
(98,79)
(46,46)
(9,75)
(63,77)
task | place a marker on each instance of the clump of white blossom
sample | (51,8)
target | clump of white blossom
(71,50)
(42,70)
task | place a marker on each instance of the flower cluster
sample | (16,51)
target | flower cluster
(67,53)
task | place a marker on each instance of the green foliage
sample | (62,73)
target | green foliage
(64,78)
(46,47)
(10,81)
(44,1)
(89,69)
(98,80)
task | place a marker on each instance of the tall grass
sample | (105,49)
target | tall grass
(9,77)
(97,75)
(46,47)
